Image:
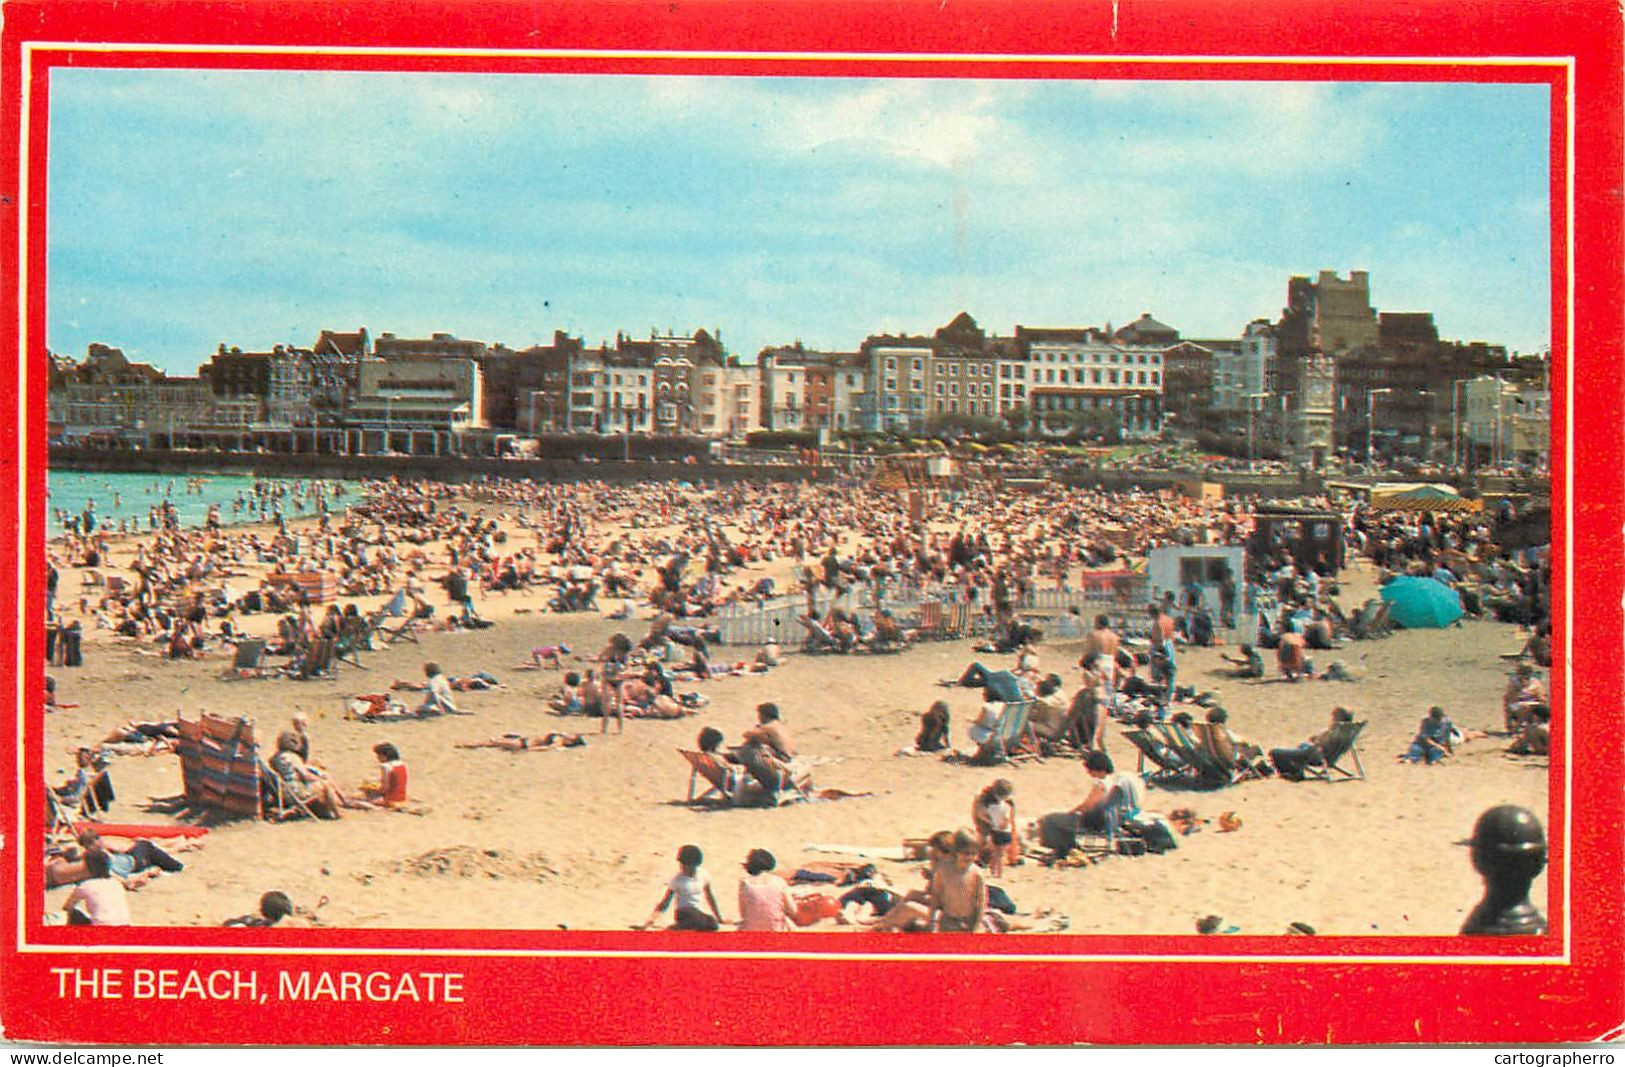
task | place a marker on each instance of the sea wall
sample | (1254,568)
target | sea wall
(438,468)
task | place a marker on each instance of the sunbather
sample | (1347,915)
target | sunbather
(524,743)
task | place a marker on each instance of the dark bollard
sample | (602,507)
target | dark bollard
(1509,850)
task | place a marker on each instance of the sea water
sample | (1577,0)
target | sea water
(121,495)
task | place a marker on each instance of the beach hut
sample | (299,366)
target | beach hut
(1176,568)
(1309,535)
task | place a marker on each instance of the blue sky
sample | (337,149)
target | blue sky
(190,208)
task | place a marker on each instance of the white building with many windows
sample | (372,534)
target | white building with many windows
(1083,371)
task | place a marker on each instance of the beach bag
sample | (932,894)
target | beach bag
(815,906)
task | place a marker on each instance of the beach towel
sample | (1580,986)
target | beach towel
(137,831)
(879,852)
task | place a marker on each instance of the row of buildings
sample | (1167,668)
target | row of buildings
(1306,385)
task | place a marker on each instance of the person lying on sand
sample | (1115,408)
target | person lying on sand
(134,866)
(522,743)
(464,683)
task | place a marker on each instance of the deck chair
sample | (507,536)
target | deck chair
(1217,741)
(277,801)
(958,621)
(1166,762)
(1202,768)
(1012,735)
(1371,621)
(1340,743)
(933,619)
(354,638)
(724,781)
(249,662)
(406,631)
(317,661)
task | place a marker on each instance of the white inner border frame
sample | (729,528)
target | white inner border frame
(27,50)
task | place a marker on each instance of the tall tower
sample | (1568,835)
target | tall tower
(1313,439)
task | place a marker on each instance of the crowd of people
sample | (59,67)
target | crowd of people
(679,555)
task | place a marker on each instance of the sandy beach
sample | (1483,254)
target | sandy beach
(584,838)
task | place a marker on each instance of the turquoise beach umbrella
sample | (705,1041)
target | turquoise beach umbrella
(1421,603)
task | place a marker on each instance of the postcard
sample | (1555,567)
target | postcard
(800,523)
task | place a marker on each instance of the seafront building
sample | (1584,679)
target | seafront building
(1333,374)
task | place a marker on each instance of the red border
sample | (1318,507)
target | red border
(589,998)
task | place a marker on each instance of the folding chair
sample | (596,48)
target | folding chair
(406,631)
(1012,735)
(724,781)
(275,794)
(1340,742)
(249,661)
(933,619)
(1165,760)
(317,662)
(1202,768)
(1216,740)
(352,640)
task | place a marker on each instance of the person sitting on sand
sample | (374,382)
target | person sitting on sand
(933,735)
(1290,762)
(1433,741)
(959,892)
(568,700)
(767,750)
(688,889)
(912,912)
(1536,738)
(1247,665)
(1289,656)
(1525,692)
(1114,797)
(523,743)
(307,784)
(437,692)
(390,789)
(765,902)
(101,899)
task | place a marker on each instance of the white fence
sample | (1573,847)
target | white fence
(1121,598)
